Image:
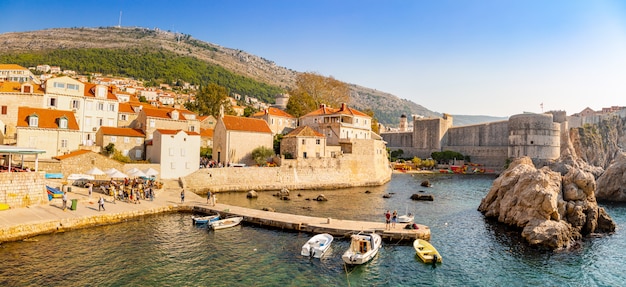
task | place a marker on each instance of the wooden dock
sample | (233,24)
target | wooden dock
(333,226)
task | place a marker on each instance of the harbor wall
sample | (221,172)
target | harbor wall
(21,189)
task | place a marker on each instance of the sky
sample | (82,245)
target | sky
(462,57)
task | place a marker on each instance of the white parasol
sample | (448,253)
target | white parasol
(151,172)
(95,171)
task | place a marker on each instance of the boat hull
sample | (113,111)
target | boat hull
(201,220)
(363,247)
(226,223)
(426,252)
(317,246)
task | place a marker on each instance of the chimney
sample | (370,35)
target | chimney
(267,111)
(322,106)
(343,106)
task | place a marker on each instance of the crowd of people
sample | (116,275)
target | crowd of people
(128,190)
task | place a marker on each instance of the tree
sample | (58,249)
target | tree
(109,149)
(277,139)
(311,90)
(209,99)
(261,154)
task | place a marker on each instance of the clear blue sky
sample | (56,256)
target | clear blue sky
(461,57)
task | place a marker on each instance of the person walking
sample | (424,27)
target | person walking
(182,196)
(387,219)
(208,197)
(101,203)
(90,188)
(64,198)
(394,219)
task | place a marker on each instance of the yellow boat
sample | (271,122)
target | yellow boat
(426,251)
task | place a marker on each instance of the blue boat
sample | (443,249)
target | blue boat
(200,220)
(53,192)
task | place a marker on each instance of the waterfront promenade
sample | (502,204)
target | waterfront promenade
(22,223)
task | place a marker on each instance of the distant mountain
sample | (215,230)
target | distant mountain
(465,120)
(387,107)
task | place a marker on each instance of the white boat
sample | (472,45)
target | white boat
(317,245)
(226,223)
(205,219)
(407,218)
(363,247)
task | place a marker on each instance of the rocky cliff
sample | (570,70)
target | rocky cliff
(598,144)
(553,210)
(612,183)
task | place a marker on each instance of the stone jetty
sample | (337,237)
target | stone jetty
(22,223)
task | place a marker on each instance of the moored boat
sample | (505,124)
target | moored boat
(205,219)
(226,223)
(317,245)
(363,247)
(407,218)
(426,252)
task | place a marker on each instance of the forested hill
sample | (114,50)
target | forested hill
(152,54)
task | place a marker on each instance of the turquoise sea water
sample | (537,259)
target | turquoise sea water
(167,250)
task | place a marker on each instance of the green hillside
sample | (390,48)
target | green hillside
(160,66)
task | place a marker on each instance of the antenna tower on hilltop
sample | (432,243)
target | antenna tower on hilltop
(119,22)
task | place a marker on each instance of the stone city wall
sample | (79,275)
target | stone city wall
(21,189)
(341,172)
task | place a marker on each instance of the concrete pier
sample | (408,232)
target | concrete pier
(314,225)
(21,223)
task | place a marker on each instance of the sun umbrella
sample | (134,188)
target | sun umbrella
(117,174)
(95,171)
(151,172)
(136,173)
(111,171)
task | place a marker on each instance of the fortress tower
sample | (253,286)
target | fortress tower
(403,124)
(534,135)
(281,101)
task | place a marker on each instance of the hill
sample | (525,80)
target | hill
(118,50)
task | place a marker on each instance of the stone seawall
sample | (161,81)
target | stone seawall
(20,189)
(328,173)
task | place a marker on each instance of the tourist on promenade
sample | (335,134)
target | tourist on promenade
(394,219)
(64,198)
(101,203)
(387,219)
(90,188)
(208,197)
(182,196)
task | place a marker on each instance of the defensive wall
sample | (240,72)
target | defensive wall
(366,165)
(490,144)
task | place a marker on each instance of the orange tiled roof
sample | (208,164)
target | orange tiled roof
(16,87)
(304,131)
(11,67)
(114,131)
(48,119)
(173,132)
(72,154)
(274,112)
(234,123)
(90,91)
(126,108)
(206,132)
(344,110)
(165,112)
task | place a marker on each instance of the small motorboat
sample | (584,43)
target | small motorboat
(317,245)
(363,247)
(226,223)
(200,220)
(407,218)
(426,252)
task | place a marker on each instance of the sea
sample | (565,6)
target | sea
(168,250)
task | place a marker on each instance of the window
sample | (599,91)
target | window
(137,153)
(100,106)
(87,121)
(100,122)
(304,154)
(113,139)
(138,140)
(317,141)
(126,139)
(172,152)
(63,123)
(75,104)
(64,143)
(151,123)
(33,121)
(192,128)
(123,117)
(111,107)
(303,141)
(4,110)
(59,85)
(72,87)
(52,102)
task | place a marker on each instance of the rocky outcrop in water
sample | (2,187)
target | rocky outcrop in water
(612,183)
(553,210)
